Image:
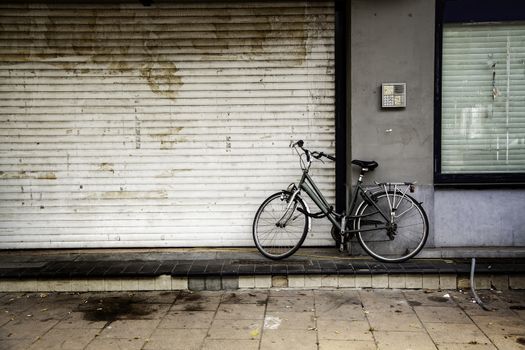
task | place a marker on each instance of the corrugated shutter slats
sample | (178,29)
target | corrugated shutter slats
(131,126)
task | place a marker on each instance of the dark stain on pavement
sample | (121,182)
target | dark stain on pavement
(194,307)
(414,303)
(114,308)
(193,301)
(232,298)
(188,297)
(261,302)
(438,299)
(520,340)
(517,307)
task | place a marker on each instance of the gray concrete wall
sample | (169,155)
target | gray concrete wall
(479,218)
(393,41)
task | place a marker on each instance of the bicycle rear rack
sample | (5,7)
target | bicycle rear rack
(395,190)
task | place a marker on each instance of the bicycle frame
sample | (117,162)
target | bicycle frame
(308,185)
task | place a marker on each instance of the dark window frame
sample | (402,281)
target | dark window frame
(465,11)
(340,103)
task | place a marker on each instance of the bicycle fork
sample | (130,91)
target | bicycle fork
(288,213)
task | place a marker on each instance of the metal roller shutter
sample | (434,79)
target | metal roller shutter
(131,126)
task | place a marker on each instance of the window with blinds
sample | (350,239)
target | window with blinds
(483,98)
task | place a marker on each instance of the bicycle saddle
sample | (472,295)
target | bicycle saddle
(366,164)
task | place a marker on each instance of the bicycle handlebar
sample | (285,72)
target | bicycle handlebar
(322,154)
(315,154)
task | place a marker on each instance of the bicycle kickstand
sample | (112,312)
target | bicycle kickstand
(342,233)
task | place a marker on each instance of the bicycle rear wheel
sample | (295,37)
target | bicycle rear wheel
(395,242)
(279,230)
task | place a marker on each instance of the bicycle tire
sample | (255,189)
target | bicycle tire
(409,234)
(276,242)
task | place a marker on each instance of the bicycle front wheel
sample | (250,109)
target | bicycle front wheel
(279,229)
(395,241)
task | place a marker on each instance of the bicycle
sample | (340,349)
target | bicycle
(390,225)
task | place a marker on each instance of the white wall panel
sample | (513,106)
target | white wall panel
(131,126)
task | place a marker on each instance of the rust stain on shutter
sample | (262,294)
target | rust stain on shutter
(162,77)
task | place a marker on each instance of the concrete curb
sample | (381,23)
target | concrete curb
(197,283)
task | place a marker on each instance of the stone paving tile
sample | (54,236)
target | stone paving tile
(500,324)
(16,304)
(509,342)
(290,320)
(291,293)
(236,329)
(113,344)
(346,345)
(377,299)
(443,333)
(6,317)
(262,319)
(166,297)
(45,313)
(441,314)
(219,344)
(130,329)
(491,299)
(240,312)
(451,346)
(289,339)
(399,340)
(519,310)
(187,319)
(295,303)
(176,339)
(344,330)
(78,320)
(15,344)
(390,319)
(337,296)
(338,305)
(245,297)
(26,329)
(198,301)
(429,298)
(65,339)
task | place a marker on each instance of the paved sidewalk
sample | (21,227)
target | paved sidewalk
(263,319)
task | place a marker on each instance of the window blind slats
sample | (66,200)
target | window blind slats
(483,98)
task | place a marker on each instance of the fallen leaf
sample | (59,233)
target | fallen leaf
(254,333)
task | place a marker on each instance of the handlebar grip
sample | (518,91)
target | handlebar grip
(322,154)
(330,157)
